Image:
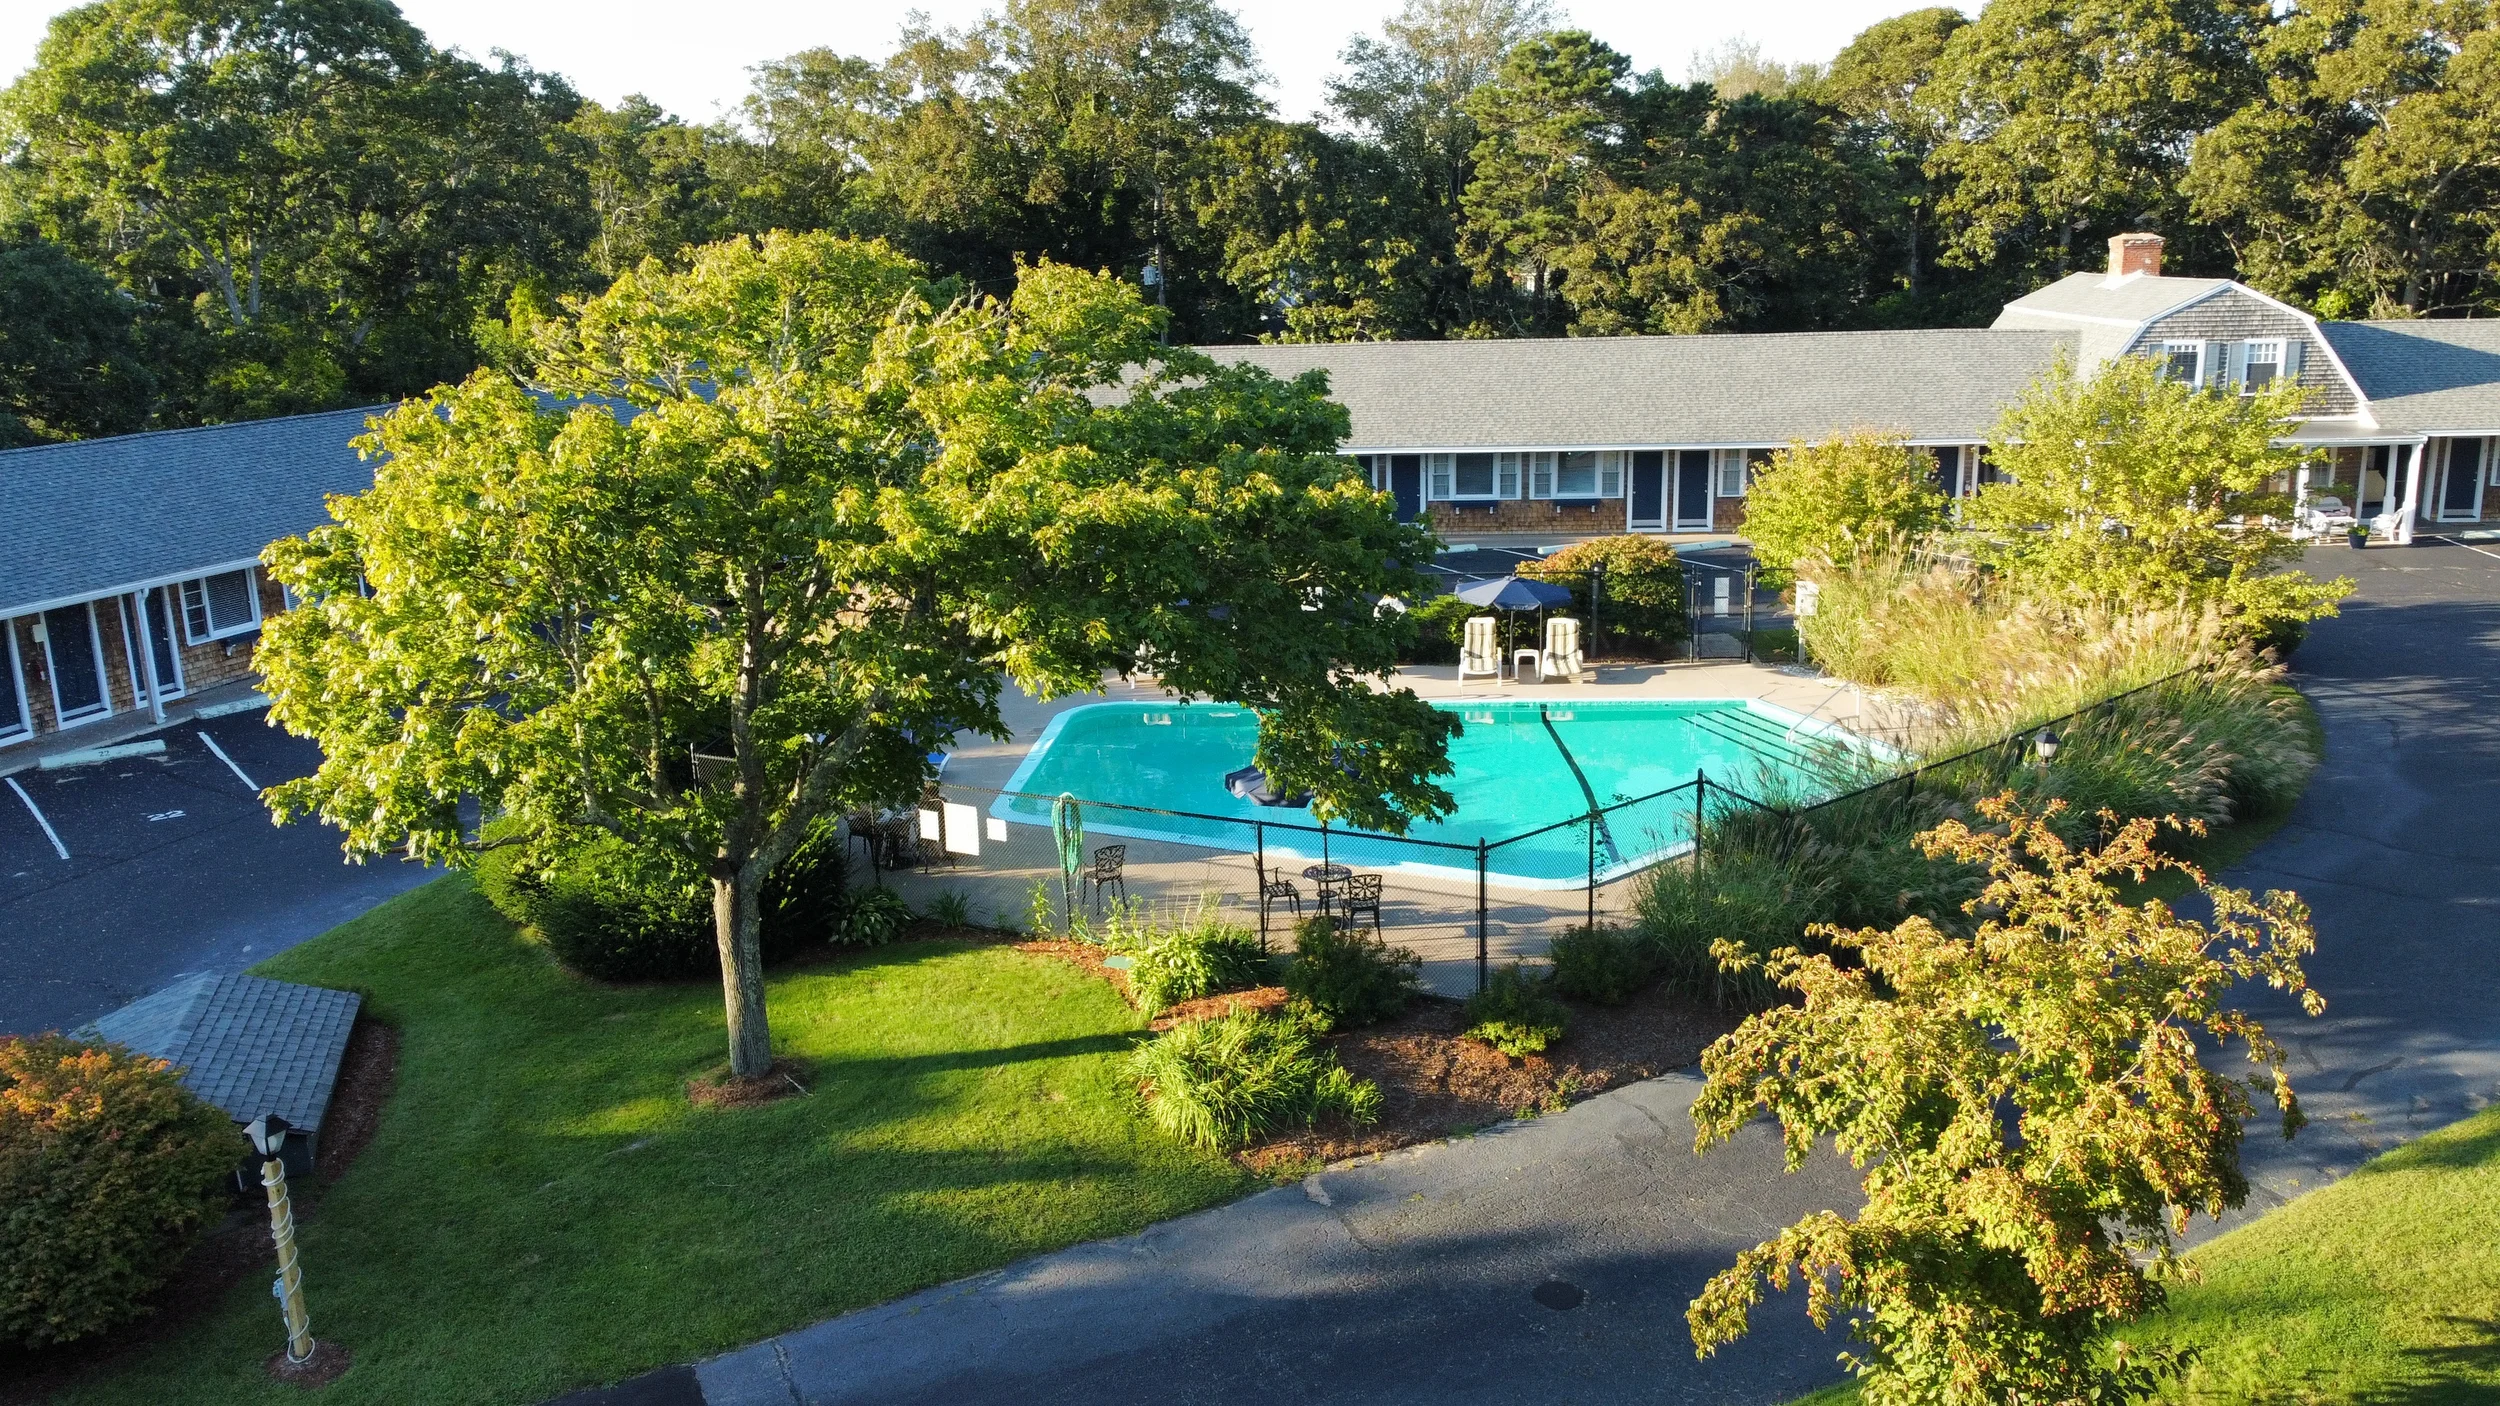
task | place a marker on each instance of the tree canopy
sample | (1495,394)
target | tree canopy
(799,510)
(311,205)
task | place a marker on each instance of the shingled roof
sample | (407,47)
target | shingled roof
(244,1043)
(2438,376)
(1761,388)
(96,516)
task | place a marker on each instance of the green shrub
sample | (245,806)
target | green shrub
(1515,1013)
(622,912)
(1440,626)
(1643,608)
(871,917)
(1837,498)
(1350,977)
(1169,965)
(1226,1083)
(950,909)
(109,1172)
(1602,964)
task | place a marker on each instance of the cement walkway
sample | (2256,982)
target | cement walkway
(1546,1261)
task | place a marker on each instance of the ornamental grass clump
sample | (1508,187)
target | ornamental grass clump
(109,1171)
(1229,1082)
(2037,1104)
(1516,1012)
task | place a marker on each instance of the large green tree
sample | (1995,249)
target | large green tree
(2072,120)
(2122,485)
(1615,203)
(840,520)
(2364,181)
(71,360)
(333,198)
(1884,82)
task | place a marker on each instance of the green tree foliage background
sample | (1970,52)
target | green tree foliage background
(305,204)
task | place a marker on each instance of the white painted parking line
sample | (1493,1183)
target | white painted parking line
(229,761)
(37,811)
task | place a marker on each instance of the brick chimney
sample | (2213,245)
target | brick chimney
(2134,253)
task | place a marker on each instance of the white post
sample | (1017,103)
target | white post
(289,1288)
(2300,501)
(147,654)
(2413,493)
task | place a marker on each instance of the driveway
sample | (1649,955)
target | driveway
(117,877)
(2396,848)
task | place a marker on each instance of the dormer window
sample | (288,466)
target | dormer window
(2183,362)
(2264,362)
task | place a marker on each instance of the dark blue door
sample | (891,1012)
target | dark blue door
(1692,490)
(1649,488)
(1406,482)
(2465,465)
(77,679)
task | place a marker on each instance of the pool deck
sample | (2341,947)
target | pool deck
(1436,917)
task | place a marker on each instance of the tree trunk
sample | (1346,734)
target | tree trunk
(738,924)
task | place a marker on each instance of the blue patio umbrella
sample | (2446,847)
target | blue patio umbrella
(1516,593)
(1513,594)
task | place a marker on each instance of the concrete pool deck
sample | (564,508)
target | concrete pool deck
(1437,916)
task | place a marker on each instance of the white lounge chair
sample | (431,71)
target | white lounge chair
(1480,653)
(1561,659)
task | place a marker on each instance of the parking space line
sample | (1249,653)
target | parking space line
(37,811)
(230,766)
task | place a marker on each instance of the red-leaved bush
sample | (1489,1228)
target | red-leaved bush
(109,1171)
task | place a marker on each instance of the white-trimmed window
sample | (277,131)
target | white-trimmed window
(1480,477)
(220,606)
(1577,473)
(2260,363)
(2183,362)
(1732,470)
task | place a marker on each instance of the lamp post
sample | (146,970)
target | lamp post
(2046,745)
(268,1133)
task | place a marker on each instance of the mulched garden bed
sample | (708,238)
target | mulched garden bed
(239,1247)
(1434,1084)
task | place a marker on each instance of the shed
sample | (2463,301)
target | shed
(247,1044)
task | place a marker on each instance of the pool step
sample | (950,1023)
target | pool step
(1751,731)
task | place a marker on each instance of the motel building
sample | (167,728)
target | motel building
(130,579)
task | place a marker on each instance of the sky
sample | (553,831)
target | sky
(694,61)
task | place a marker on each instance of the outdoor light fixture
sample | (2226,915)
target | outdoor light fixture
(268,1133)
(2046,744)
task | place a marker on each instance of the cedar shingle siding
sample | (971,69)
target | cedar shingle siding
(2234,316)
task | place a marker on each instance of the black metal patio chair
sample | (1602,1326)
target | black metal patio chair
(1360,894)
(1105,871)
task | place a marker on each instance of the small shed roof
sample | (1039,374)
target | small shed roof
(245,1043)
(1758,388)
(95,516)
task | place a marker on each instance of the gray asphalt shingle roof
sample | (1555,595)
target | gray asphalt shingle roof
(1946,384)
(2425,375)
(244,1043)
(2105,316)
(82,519)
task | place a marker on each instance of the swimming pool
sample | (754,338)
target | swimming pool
(1509,778)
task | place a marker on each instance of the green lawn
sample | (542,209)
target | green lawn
(2383,1288)
(542,1209)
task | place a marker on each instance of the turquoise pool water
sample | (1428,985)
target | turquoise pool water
(1509,779)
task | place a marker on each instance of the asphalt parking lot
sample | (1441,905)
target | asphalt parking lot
(117,877)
